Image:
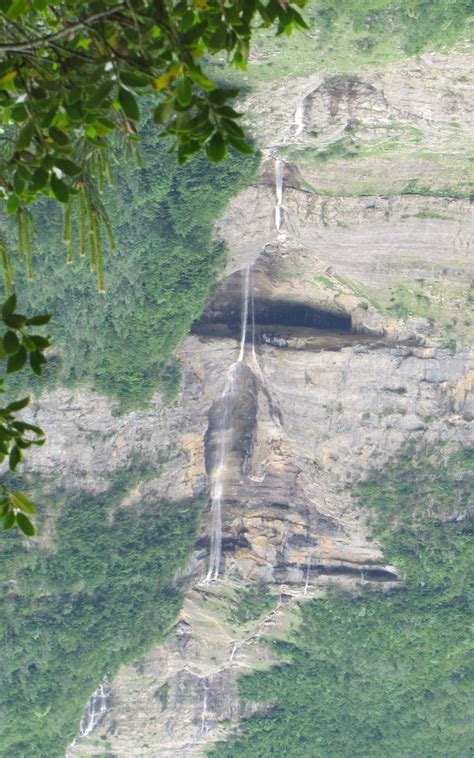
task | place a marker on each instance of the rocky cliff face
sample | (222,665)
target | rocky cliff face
(361,317)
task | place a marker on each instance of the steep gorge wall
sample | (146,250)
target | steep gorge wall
(321,406)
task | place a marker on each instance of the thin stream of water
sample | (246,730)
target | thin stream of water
(217,480)
(279,193)
(299,117)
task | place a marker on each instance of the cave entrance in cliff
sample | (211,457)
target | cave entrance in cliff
(277,316)
(290,314)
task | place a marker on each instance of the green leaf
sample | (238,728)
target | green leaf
(9,305)
(39,320)
(9,520)
(15,320)
(129,104)
(215,148)
(228,112)
(35,363)
(59,136)
(12,204)
(40,177)
(40,341)
(240,145)
(18,183)
(22,502)
(162,113)
(68,167)
(25,524)
(16,9)
(60,189)
(28,343)
(17,361)
(11,343)
(25,136)
(220,96)
(19,113)
(15,457)
(232,128)
(201,80)
(99,95)
(135,79)
(184,92)
(17,405)
(22,426)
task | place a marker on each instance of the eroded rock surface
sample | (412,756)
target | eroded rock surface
(362,320)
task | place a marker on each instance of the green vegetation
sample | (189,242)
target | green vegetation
(356,34)
(96,597)
(18,348)
(156,284)
(252,602)
(377,675)
(72,76)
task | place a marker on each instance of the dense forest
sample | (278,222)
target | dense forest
(156,281)
(382,674)
(71,615)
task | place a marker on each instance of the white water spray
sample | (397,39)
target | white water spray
(245,314)
(95,710)
(299,117)
(204,725)
(308,564)
(279,193)
(94,713)
(217,480)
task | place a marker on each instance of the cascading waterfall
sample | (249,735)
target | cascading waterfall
(95,711)
(217,478)
(299,117)
(279,193)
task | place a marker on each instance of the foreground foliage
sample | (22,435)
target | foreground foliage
(383,675)
(18,347)
(71,78)
(75,611)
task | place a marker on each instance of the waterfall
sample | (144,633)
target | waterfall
(95,710)
(204,726)
(224,432)
(252,319)
(299,117)
(279,193)
(308,564)
(245,314)
(94,713)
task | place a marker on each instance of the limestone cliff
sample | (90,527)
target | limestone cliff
(361,304)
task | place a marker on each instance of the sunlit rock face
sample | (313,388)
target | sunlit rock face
(357,348)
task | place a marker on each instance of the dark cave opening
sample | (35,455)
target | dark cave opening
(224,319)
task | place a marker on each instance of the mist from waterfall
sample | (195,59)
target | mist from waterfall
(224,433)
(279,193)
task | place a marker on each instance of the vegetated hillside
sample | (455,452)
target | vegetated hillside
(156,281)
(383,674)
(71,615)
